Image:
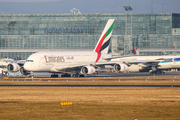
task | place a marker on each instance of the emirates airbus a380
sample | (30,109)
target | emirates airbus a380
(67,62)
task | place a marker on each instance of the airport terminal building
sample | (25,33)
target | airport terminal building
(151,34)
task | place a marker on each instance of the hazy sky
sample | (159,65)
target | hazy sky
(86,6)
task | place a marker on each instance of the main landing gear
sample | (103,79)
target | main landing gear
(54,75)
(73,75)
(66,75)
(77,75)
(157,72)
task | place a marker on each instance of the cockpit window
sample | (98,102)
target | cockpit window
(29,61)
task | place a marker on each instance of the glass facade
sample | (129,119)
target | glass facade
(22,35)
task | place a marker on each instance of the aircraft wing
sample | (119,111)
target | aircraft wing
(20,62)
(72,67)
(107,63)
(117,56)
(145,63)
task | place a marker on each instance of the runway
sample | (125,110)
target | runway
(174,77)
(89,85)
(110,74)
(147,74)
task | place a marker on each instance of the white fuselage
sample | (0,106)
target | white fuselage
(59,61)
(167,63)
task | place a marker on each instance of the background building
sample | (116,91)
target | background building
(152,34)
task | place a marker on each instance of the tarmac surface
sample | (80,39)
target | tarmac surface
(89,85)
(94,76)
(109,74)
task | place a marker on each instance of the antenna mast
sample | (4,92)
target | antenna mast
(162,6)
(151,6)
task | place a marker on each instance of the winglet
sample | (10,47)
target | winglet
(104,41)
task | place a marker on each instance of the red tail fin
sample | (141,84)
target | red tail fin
(134,49)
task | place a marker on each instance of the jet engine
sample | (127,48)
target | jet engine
(88,70)
(23,71)
(14,67)
(120,67)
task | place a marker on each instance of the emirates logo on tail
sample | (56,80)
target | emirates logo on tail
(104,41)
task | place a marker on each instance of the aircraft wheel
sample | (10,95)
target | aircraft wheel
(75,75)
(81,75)
(66,75)
(53,76)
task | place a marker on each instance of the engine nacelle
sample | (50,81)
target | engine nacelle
(88,70)
(120,67)
(23,71)
(133,68)
(14,67)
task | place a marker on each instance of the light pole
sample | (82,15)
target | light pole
(128,32)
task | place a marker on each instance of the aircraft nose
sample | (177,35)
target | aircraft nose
(29,66)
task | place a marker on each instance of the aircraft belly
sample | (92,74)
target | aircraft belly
(176,65)
(169,65)
(165,65)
